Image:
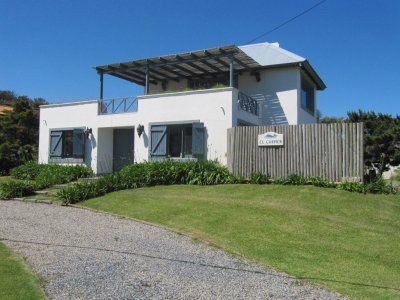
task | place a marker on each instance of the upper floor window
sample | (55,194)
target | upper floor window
(307,96)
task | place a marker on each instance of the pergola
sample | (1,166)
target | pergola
(210,63)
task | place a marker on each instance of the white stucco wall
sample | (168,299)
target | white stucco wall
(211,107)
(279,94)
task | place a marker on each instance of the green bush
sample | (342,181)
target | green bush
(14,188)
(41,176)
(259,178)
(27,171)
(58,174)
(149,174)
(321,182)
(197,173)
(375,186)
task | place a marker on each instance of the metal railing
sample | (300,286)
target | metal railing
(118,105)
(248,103)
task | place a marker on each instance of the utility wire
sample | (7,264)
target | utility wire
(286,22)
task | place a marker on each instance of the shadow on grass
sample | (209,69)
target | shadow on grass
(201,264)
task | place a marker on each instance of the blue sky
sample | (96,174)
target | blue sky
(48,48)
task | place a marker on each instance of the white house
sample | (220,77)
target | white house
(189,102)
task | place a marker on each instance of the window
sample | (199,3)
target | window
(177,141)
(307,96)
(65,144)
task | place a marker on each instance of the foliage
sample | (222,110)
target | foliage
(40,176)
(259,178)
(149,174)
(381,139)
(19,130)
(374,186)
(308,232)
(58,174)
(27,171)
(14,189)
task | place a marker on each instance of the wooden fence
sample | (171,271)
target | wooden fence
(331,151)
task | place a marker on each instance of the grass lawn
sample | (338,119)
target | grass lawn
(16,281)
(345,241)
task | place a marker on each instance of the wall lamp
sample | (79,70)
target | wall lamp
(140,130)
(257,75)
(88,132)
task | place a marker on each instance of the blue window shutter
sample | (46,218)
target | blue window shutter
(158,146)
(55,143)
(78,143)
(198,140)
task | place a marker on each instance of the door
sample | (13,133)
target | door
(123,148)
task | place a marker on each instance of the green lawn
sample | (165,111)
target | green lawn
(16,281)
(345,241)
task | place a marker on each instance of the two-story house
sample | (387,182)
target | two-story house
(189,102)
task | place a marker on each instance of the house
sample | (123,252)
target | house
(189,102)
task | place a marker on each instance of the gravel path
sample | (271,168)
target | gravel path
(88,255)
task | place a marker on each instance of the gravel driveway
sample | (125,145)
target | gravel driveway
(88,255)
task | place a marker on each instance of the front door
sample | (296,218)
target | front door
(123,148)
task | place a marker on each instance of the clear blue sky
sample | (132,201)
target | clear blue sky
(48,48)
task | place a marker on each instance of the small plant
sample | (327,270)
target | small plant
(13,189)
(259,178)
(27,171)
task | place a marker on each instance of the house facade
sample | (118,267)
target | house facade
(189,102)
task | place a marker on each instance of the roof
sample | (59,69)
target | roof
(210,62)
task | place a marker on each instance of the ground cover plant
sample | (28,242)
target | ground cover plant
(32,176)
(197,173)
(16,281)
(344,241)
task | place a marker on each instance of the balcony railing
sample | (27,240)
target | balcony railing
(118,105)
(247,103)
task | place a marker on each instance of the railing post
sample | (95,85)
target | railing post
(231,71)
(147,80)
(101,85)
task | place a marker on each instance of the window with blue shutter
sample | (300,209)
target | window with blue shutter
(177,141)
(158,146)
(198,140)
(78,143)
(67,145)
(56,144)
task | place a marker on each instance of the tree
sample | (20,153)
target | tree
(19,130)
(381,139)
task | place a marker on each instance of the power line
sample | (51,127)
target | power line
(286,22)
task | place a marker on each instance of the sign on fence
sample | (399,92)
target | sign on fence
(270,139)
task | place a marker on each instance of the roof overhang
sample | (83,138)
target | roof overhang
(211,62)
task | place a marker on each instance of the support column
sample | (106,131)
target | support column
(231,71)
(146,90)
(101,85)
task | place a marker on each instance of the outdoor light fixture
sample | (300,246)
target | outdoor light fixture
(257,75)
(140,130)
(87,132)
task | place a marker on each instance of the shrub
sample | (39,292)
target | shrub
(81,191)
(351,186)
(292,179)
(59,174)
(14,188)
(27,171)
(379,186)
(259,178)
(321,182)
(149,174)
